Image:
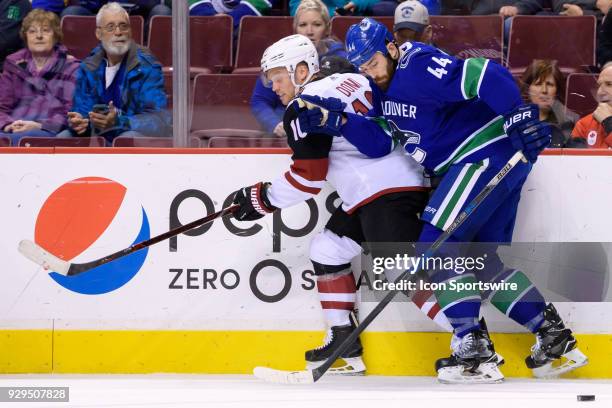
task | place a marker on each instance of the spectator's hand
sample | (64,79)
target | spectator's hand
(279,130)
(77,122)
(603,112)
(508,11)
(104,121)
(571,10)
(350,7)
(24,125)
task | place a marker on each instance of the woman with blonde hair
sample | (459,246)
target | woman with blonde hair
(311,20)
(38,82)
(352,7)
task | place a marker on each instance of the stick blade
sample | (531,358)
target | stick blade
(47,260)
(283,377)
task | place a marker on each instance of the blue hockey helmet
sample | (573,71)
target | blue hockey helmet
(365,39)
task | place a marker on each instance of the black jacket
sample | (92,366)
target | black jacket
(604,40)
(12,13)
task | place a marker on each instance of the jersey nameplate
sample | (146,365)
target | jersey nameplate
(399,109)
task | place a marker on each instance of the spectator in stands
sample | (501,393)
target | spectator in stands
(312,20)
(353,7)
(560,7)
(411,23)
(236,9)
(120,87)
(55,6)
(542,83)
(388,7)
(37,84)
(12,13)
(604,37)
(144,8)
(595,130)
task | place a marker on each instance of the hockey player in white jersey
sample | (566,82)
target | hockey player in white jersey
(381,198)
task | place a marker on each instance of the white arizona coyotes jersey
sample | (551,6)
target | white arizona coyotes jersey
(320,157)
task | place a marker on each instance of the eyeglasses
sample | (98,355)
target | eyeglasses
(110,28)
(43,31)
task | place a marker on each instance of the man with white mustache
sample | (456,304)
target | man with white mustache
(120,87)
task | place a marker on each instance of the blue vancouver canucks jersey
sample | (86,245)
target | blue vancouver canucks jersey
(447,110)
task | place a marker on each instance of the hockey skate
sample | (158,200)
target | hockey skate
(555,351)
(473,361)
(499,360)
(350,362)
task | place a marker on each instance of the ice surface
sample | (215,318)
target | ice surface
(176,391)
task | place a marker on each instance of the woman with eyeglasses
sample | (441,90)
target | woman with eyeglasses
(38,82)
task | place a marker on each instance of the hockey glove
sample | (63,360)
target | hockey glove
(526,132)
(322,115)
(253,202)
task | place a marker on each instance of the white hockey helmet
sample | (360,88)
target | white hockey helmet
(288,52)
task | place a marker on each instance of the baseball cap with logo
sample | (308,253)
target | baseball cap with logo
(411,14)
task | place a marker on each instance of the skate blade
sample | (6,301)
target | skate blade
(498,359)
(342,366)
(487,373)
(283,377)
(569,361)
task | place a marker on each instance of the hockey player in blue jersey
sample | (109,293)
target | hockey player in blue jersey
(462,120)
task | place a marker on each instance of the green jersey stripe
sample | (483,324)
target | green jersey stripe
(505,299)
(471,77)
(456,207)
(490,133)
(436,218)
(454,194)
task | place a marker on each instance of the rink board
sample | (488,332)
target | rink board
(225,300)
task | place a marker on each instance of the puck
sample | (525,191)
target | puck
(585,397)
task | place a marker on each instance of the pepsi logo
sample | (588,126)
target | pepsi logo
(87,218)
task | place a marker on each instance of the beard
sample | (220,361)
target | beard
(112,49)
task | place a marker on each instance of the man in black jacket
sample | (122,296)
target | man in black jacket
(12,13)
(604,35)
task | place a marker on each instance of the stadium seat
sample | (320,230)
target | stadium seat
(255,34)
(569,40)
(220,106)
(341,24)
(168,87)
(236,142)
(580,93)
(5,141)
(143,142)
(210,42)
(96,141)
(196,142)
(464,36)
(80,33)
(469,36)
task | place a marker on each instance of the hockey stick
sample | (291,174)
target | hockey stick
(311,376)
(47,260)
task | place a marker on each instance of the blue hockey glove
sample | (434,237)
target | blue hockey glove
(253,202)
(321,115)
(526,132)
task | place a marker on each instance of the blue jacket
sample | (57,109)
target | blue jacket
(143,97)
(267,107)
